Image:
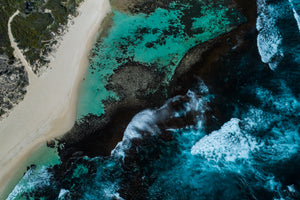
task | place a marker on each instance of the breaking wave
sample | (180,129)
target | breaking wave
(243,159)
(273,16)
(269,38)
(296,10)
(32,181)
(167,153)
(206,144)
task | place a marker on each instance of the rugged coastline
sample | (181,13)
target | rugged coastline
(51,108)
(96,136)
(224,117)
(104,132)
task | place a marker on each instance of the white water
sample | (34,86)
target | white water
(269,38)
(145,122)
(296,7)
(270,34)
(244,154)
(32,179)
(229,144)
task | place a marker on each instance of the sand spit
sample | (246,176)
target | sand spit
(49,107)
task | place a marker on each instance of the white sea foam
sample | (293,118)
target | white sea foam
(283,144)
(271,184)
(32,179)
(291,188)
(296,13)
(62,194)
(202,88)
(282,140)
(144,121)
(244,147)
(269,38)
(107,192)
(195,103)
(257,119)
(284,102)
(229,143)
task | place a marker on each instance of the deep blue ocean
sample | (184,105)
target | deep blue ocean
(250,149)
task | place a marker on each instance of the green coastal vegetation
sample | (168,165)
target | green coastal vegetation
(35,27)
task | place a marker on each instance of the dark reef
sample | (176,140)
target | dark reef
(220,84)
(97,136)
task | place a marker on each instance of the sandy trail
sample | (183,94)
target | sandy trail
(17,52)
(49,107)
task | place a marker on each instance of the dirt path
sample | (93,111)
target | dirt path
(49,107)
(17,52)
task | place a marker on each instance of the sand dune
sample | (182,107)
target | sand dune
(49,107)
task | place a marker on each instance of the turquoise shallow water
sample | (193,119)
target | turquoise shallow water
(157,40)
(43,158)
(247,148)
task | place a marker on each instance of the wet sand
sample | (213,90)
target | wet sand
(49,107)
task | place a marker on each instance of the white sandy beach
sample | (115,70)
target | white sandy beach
(49,107)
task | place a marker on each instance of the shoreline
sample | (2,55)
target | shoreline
(111,126)
(49,107)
